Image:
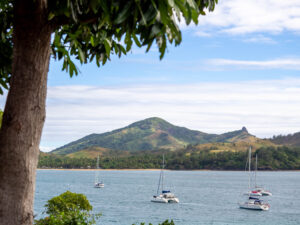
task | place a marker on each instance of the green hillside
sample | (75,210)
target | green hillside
(288,140)
(239,146)
(150,134)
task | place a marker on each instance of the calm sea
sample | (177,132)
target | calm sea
(206,197)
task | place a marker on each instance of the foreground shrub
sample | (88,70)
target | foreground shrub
(68,209)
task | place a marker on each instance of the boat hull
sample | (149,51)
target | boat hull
(165,200)
(265,193)
(159,200)
(173,200)
(254,194)
(99,185)
(263,207)
(262,191)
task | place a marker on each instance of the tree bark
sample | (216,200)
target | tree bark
(24,113)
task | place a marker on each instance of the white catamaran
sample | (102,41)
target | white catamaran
(166,196)
(253,202)
(98,184)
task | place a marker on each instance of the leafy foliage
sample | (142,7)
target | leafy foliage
(93,30)
(68,208)
(68,202)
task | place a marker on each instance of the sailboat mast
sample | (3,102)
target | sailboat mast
(249,168)
(157,192)
(96,173)
(255,168)
(162,173)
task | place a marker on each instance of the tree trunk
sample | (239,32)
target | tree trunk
(24,113)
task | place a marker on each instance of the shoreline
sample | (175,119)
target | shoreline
(160,169)
(99,169)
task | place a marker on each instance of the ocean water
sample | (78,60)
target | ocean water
(206,197)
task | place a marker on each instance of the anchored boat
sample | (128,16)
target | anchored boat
(166,196)
(98,183)
(253,203)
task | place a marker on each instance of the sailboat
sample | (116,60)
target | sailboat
(257,188)
(166,196)
(252,193)
(252,202)
(98,184)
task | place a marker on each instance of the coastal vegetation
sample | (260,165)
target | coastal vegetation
(190,158)
(68,208)
(289,140)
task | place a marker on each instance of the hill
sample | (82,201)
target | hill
(239,146)
(289,140)
(149,134)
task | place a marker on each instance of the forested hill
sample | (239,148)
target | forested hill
(288,140)
(150,134)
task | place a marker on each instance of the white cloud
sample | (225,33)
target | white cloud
(264,107)
(260,39)
(201,33)
(283,63)
(251,16)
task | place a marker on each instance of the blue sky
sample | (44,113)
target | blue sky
(193,61)
(239,67)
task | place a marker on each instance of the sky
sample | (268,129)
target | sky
(238,67)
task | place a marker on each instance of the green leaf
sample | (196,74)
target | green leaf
(107,45)
(123,14)
(163,11)
(149,45)
(142,14)
(123,50)
(162,48)
(92,41)
(192,4)
(51,16)
(137,42)
(81,55)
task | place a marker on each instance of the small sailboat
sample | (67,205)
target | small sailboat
(252,202)
(98,184)
(166,196)
(257,188)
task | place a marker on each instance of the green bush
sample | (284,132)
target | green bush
(68,209)
(164,223)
